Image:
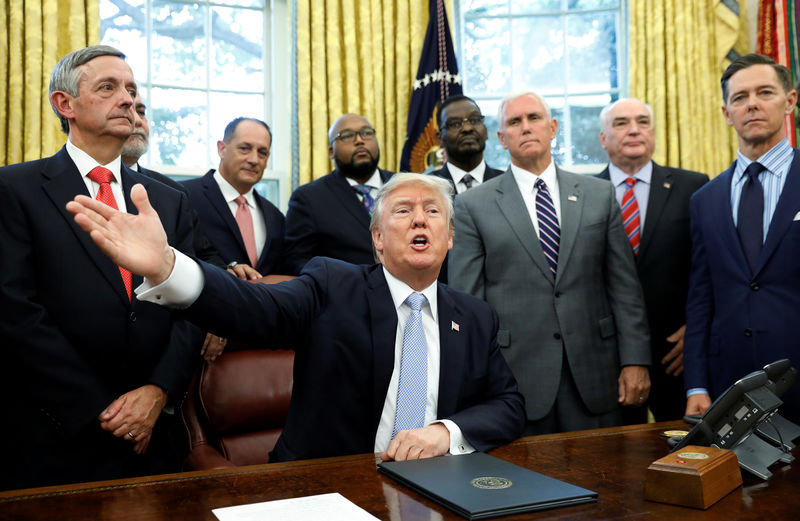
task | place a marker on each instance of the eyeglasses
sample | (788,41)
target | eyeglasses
(348,136)
(456,124)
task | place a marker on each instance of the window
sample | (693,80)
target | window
(568,51)
(198,65)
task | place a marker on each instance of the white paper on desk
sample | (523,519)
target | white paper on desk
(324,507)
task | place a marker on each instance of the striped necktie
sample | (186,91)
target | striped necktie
(549,231)
(630,215)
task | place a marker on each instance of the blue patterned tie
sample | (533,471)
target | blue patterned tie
(366,197)
(750,217)
(549,232)
(412,392)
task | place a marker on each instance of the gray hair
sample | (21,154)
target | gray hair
(501,109)
(604,113)
(434,183)
(67,74)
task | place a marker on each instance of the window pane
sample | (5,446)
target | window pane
(224,108)
(243,3)
(121,26)
(487,61)
(538,54)
(559,146)
(484,7)
(592,47)
(237,49)
(585,129)
(494,155)
(593,4)
(179,51)
(178,128)
(535,6)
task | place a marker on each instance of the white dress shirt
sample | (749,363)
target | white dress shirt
(229,193)
(458,175)
(525,181)
(86,164)
(185,284)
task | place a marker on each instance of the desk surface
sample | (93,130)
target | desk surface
(612,462)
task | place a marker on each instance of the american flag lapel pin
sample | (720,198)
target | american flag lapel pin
(454,326)
(572,197)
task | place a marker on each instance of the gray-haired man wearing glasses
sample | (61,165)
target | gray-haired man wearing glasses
(330,216)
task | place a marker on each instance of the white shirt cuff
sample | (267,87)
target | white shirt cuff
(181,288)
(458,444)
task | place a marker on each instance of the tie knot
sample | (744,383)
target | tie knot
(630,181)
(101,175)
(363,189)
(540,185)
(753,169)
(241,200)
(468,180)
(416,300)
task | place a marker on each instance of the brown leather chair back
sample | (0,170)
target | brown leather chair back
(237,405)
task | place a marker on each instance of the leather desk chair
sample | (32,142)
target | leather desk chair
(237,405)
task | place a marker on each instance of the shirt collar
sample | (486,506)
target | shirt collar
(400,292)
(457,173)
(618,177)
(526,179)
(229,193)
(374,181)
(85,163)
(776,160)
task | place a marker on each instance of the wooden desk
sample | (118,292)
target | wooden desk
(612,462)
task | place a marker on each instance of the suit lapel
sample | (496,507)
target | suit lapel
(272,229)
(217,201)
(63,184)
(787,208)
(657,200)
(722,207)
(383,322)
(343,192)
(572,202)
(512,206)
(452,350)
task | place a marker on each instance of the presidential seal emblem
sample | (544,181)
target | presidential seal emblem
(491,483)
(692,455)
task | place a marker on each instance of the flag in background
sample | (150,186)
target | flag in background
(437,79)
(779,38)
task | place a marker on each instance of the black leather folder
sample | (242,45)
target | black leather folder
(479,486)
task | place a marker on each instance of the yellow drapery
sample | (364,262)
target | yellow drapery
(37,35)
(678,50)
(355,56)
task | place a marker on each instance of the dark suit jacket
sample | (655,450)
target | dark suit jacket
(72,341)
(663,264)
(444,173)
(219,225)
(202,246)
(326,218)
(592,312)
(342,322)
(739,321)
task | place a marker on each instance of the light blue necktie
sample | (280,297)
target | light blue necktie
(412,392)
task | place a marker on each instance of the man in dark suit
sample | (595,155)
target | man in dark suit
(744,292)
(93,377)
(546,248)
(330,216)
(661,241)
(463,136)
(243,226)
(387,359)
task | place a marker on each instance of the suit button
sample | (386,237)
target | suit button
(754,286)
(558,294)
(748,332)
(557,336)
(132,316)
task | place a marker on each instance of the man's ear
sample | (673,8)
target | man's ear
(221,148)
(63,104)
(377,240)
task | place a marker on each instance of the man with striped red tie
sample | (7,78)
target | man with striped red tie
(654,200)
(548,250)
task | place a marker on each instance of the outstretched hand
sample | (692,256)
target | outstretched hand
(138,243)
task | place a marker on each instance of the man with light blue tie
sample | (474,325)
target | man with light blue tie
(387,359)
(743,310)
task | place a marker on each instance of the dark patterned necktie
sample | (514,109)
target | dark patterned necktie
(750,222)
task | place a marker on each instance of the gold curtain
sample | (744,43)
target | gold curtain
(37,35)
(355,56)
(678,50)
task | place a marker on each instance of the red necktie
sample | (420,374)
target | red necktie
(245,221)
(103,177)
(630,215)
